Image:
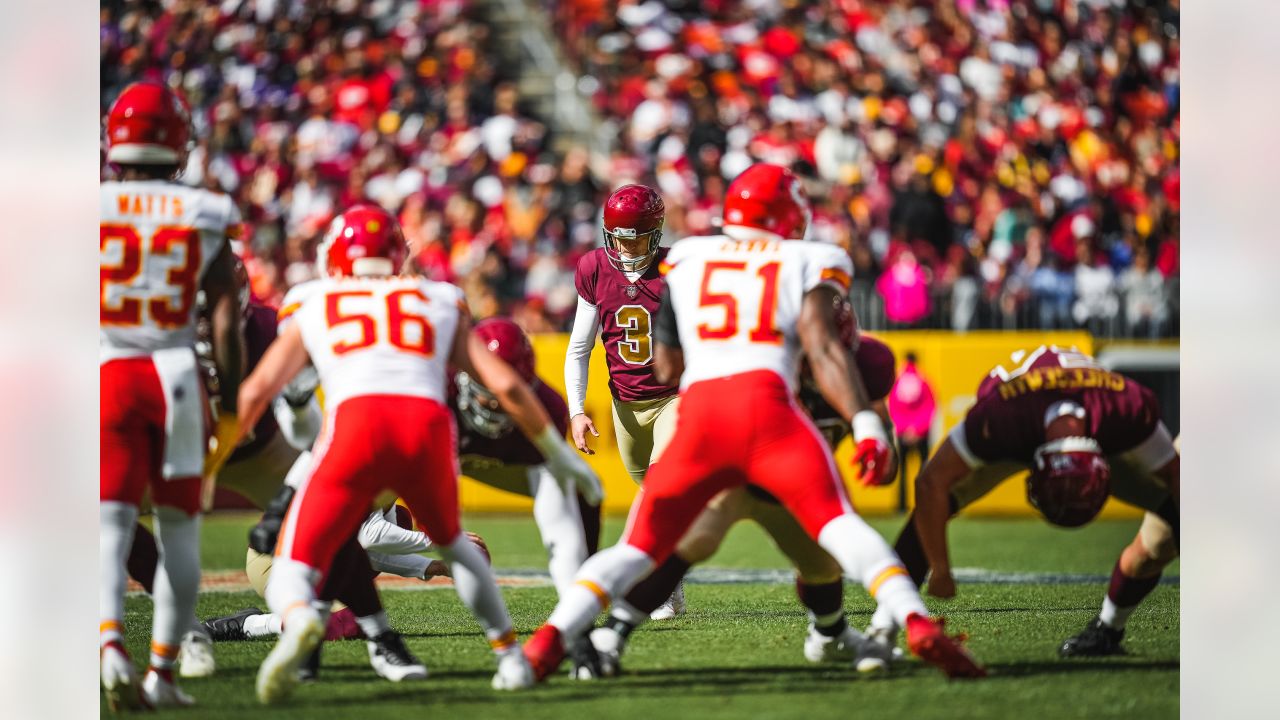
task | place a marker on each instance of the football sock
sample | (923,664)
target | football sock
(1123,597)
(825,603)
(864,555)
(649,594)
(177,582)
(625,613)
(264,625)
(590,515)
(292,583)
(603,576)
(143,557)
(555,512)
(474,582)
(620,625)
(374,625)
(116,521)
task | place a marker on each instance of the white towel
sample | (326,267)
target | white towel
(185,442)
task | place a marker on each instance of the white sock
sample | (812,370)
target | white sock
(291,583)
(882,619)
(264,625)
(476,586)
(556,514)
(625,612)
(177,582)
(607,574)
(374,625)
(116,521)
(864,555)
(1114,616)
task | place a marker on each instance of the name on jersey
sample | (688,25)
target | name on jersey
(149,205)
(1057,378)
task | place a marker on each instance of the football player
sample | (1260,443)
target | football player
(819,580)
(159,244)
(380,344)
(737,311)
(1085,434)
(618,290)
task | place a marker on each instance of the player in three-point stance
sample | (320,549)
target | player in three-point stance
(738,310)
(160,243)
(1085,434)
(380,345)
(618,290)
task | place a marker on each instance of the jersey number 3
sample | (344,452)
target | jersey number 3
(127,311)
(396,320)
(636,345)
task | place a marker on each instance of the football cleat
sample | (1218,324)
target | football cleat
(230,627)
(309,670)
(849,646)
(1095,640)
(303,631)
(674,606)
(930,642)
(159,689)
(514,671)
(544,651)
(392,660)
(882,643)
(195,657)
(120,679)
(585,661)
(609,645)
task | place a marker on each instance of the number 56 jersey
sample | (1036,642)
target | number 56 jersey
(737,302)
(156,241)
(378,336)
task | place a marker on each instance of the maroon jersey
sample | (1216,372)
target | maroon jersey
(1007,423)
(626,310)
(875,363)
(259,333)
(511,447)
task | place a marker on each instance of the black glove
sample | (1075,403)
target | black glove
(262,537)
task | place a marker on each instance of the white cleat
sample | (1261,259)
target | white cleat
(673,607)
(160,691)
(195,658)
(882,643)
(514,671)
(120,680)
(279,672)
(849,646)
(392,660)
(609,645)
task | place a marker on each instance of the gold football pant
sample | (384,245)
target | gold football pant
(643,429)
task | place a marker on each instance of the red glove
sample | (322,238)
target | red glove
(871,457)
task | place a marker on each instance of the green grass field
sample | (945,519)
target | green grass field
(736,653)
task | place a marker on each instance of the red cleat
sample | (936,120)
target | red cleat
(545,651)
(929,642)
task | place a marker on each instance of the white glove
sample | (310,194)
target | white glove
(567,467)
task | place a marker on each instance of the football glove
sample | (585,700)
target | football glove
(263,536)
(871,449)
(569,469)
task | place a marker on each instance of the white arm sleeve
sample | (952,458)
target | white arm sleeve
(300,426)
(406,565)
(586,323)
(378,534)
(299,471)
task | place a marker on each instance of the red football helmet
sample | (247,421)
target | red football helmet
(1069,481)
(633,212)
(149,124)
(479,408)
(767,197)
(364,240)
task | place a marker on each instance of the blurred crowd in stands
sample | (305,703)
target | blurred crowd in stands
(987,163)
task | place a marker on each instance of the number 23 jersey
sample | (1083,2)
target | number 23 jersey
(378,336)
(156,241)
(737,303)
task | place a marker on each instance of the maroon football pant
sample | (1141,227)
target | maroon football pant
(733,431)
(375,442)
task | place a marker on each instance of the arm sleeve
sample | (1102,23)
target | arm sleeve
(665,329)
(578,358)
(405,565)
(378,534)
(299,425)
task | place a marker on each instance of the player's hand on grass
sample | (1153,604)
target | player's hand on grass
(942,585)
(579,426)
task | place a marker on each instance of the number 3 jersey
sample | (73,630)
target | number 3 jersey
(377,336)
(157,240)
(737,302)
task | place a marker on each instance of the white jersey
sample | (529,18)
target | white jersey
(157,241)
(737,302)
(378,336)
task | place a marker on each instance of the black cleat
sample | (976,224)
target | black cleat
(585,660)
(391,658)
(309,670)
(229,627)
(1096,640)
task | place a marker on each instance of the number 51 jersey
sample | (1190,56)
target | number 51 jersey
(378,336)
(157,240)
(737,302)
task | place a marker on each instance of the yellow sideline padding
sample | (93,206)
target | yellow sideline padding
(953,363)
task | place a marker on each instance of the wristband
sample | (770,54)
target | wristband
(867,424)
